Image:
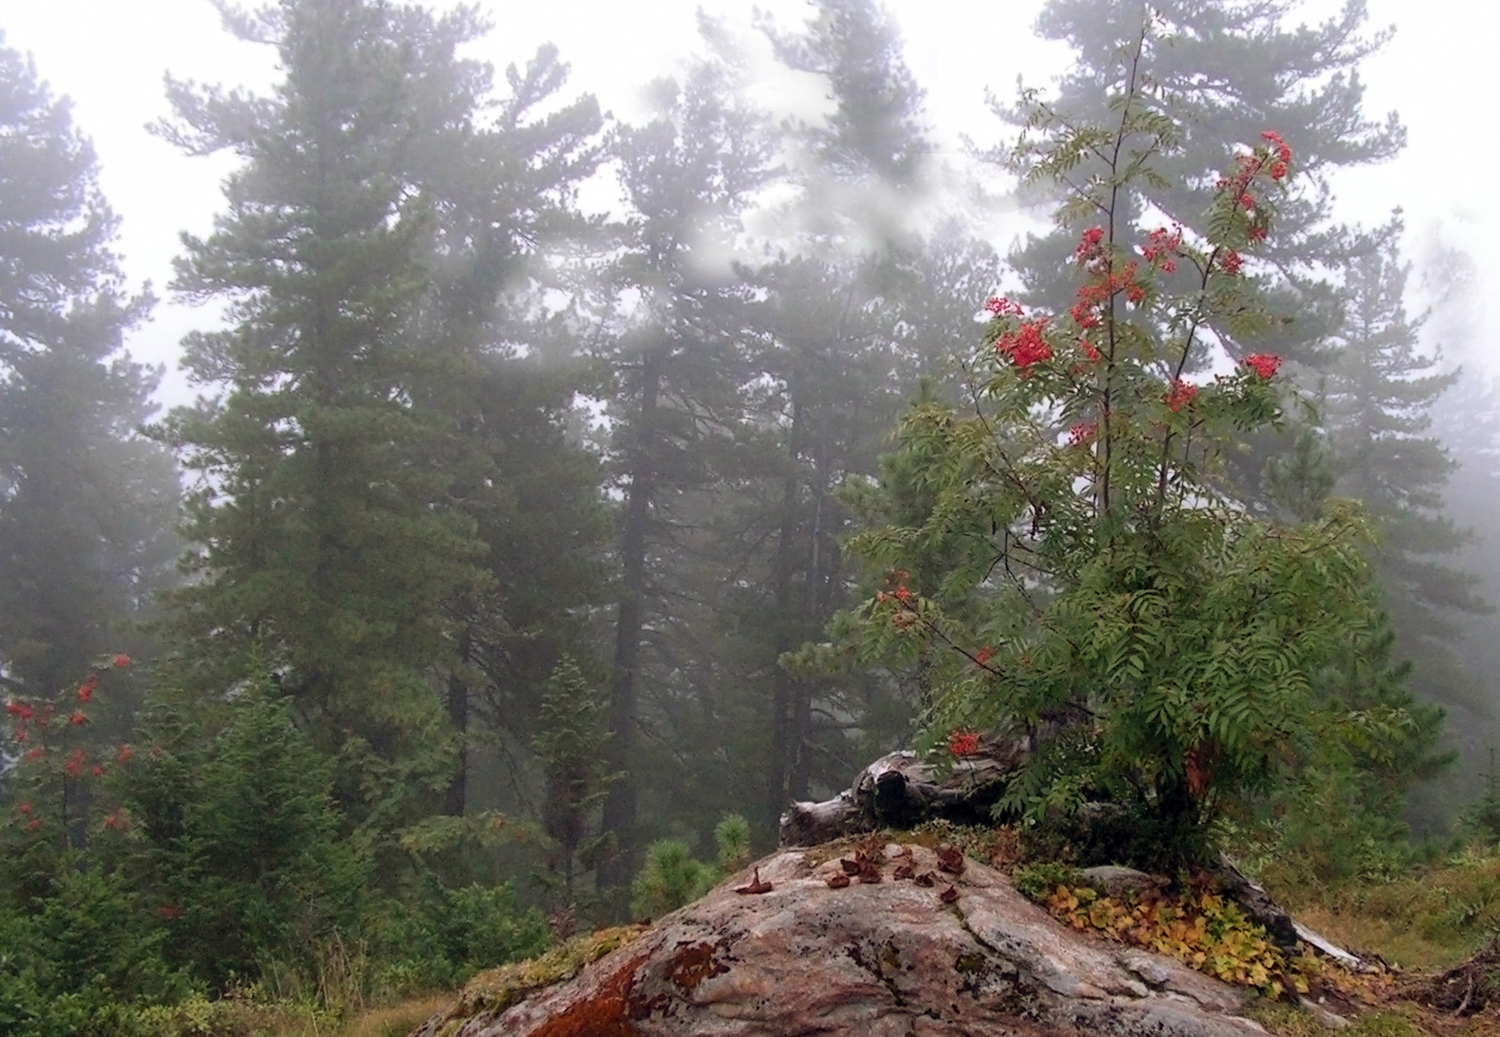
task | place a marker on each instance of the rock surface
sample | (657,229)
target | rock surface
(1123,883)
(875,957)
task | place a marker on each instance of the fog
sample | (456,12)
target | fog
(110,59)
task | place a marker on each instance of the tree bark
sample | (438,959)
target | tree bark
(620,804)
(456,800)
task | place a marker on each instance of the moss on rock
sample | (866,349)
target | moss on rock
(493,991)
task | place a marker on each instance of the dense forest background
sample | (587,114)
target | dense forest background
(501,567)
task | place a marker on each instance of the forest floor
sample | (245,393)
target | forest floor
(1436,926)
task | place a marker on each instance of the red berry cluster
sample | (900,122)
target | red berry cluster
(1180,394)
(1263,364)
(963,742)
(1161,248)
(1025,345)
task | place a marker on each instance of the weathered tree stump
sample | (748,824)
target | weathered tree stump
(899,791)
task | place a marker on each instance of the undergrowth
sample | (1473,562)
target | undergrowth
(1430,916)
(1199,928)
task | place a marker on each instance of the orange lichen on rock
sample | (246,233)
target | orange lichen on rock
(694,963)
(610,1012)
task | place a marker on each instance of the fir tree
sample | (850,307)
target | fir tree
(570,742)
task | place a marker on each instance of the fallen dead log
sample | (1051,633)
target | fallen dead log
(899,790)
(1285,931)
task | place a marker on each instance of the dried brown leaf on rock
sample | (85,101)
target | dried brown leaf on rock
(950,859)
(755,886)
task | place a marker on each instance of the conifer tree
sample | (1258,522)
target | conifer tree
(87,504)
(534,495)
(570,741)
(861,168)
(1467,421)
(1378,400)
(679,365)
(327,536)
(533,491)
(860,307)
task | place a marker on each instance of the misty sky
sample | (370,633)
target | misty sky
(110,55)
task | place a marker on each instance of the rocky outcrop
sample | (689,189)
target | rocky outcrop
(894,942)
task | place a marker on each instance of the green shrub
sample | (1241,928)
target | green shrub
(732,836)
(73,960)
(670,878)
(1037,881)
(438,937)
(236,839)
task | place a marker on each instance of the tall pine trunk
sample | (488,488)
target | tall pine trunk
(620,804)
(456,800)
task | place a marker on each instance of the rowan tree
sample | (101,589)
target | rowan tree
(1104,593)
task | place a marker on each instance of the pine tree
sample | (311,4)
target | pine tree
(863,168)
(1466,421)
(1378,399)
(327,539)
(87,504)
(533,491)
(536,502)
(679,366)
(834,400)
(857,311)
